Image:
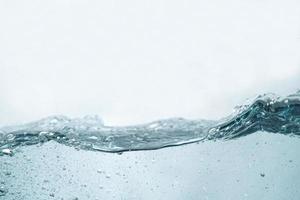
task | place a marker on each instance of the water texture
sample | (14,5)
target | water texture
(268,112)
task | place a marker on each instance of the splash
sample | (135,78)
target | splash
(267,112)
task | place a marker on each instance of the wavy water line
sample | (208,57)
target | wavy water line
(267,112)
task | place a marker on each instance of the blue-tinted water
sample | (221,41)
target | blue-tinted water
(260,166)
(238,157)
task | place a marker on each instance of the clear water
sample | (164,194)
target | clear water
(238,157)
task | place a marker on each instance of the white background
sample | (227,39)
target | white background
(137,61)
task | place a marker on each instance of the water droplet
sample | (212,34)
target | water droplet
(286,101)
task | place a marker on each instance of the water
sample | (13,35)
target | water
(238,157)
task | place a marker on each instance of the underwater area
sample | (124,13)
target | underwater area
(252,154)
(260,166)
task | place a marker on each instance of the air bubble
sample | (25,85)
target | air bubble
(3,191)
(7,151)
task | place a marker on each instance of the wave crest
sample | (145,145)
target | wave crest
(267,112)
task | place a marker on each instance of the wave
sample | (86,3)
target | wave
(268,112)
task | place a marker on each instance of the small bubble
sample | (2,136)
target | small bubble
(262,175)
(51,194)
(7,173)
(93,137)
(10,137)
(7,151)
(3,191)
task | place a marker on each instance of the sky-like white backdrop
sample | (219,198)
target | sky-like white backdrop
(137,61)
